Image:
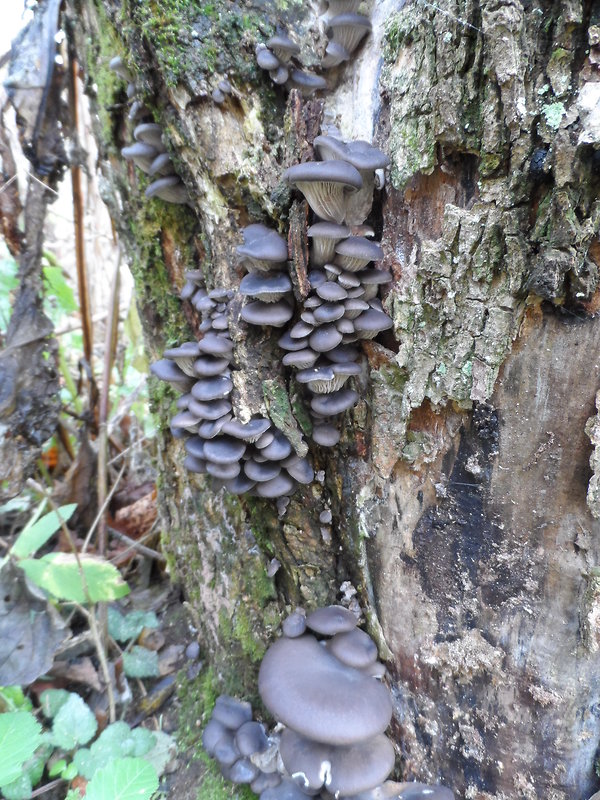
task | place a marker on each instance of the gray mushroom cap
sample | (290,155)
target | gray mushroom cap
(169,188)
(211,735)
(331,291)
(218,96)
(345,325)
(301,359)
(279,448)
(167,370)
(294,625)
(286,790)
(118,65)
(193,464)
(211,410)
(306,761)
(316,277)
(141,154)
(269,287)
(239,485)
(224,450)
(331,620)
(231,712)
(263,247)
(212,388)
(265,780)
(211,428)
(249,431)
(326,435)
(356,252)
(151,133)
(324,184)
(330,147)
(279,75)
(215,345)
(265,58)
(243,771)
(225,750)
(259,472)
(264,440)
(309,690)
(223,471)
(372,321)
(300,330)
(274,314)
(278,487)
(195,446)
(251,738)
(283,47)
(307,82)
(348,30)
(335,54)
(376,276)
(302,471)
(208,366)
(292,343)
(343,354)
(325,338)
(361,766)
(354,648)
(161,165)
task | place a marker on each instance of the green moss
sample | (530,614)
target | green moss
(393,377)
(280,411)
(215,787)
(199,39)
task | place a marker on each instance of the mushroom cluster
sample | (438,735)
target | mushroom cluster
(148,151)
(278,56)
(345,30)
(343,304)
(237,742)
(264,255)
(324,689)
(250,456)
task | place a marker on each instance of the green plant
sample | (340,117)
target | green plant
(69,577)
(121,763)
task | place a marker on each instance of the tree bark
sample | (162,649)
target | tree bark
(458,491)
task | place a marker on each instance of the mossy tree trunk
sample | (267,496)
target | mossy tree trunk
(458,491)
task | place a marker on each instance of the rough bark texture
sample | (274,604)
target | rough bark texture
(458,491)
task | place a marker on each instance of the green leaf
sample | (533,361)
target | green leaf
(69,772)
(19,789)
(123,779)
(32,537)
(12,698)
(74,724)
(140,663)
(73,794)
(125,627)
(57,768)
(52,700)
(163,751)
(115,741)
(19,737)
(59,288)
(59,574)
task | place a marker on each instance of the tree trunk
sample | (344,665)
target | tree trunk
(458,491)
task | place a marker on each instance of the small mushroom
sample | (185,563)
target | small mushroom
(231,712)
(279,486)
(295,624)
(207,366)
(355,252)
(274,314)
(167,370)
(251,738)
(249,431)
(118,65)
(331,620)
(263,249)
(224,450)
(325,185)
(169,188)
(268,287)
(354,648)
(283,47)
(348,29)
(306,82)
(212,388)
(265,58)
(141,154)
(326,435)
(325,236)
(150,133)
(335,54)
(372,322)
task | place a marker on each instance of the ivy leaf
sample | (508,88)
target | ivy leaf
(59,574)
(74,724)
(32,537)
(129,626)
(123,779)
(141,663)
(19,738)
